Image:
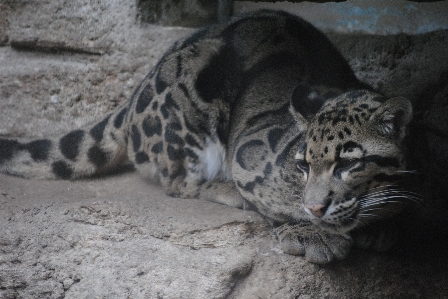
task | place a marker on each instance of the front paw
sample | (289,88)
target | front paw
(318,246)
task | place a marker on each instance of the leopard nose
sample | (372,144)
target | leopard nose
(317,210)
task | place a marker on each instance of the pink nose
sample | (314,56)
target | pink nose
(317,210)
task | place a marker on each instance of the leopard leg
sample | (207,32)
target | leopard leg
(318,246)
(223,192)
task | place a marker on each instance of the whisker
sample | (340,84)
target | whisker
(363,215)
(402,191)
(378,202)
(391,191)
(377,207)
(408,171)
(384,186)
(384,198)
(387,199)
(358,222)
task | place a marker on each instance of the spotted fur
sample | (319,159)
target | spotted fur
(261,110)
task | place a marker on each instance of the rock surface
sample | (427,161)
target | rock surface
(66,63)
(120,237)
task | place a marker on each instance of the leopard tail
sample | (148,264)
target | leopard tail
(80,153)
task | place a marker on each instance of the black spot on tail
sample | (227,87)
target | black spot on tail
(97,156)
(97,131)
(39,149)
(70,143)
(7,149)
(62,170)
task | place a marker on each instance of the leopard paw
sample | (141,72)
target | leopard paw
(316,245)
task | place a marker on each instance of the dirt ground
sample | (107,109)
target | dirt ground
(65,65)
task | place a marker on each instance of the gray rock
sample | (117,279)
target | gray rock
(89,240)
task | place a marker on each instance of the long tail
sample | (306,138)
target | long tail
(79,153)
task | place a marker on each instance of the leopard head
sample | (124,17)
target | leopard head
(352,157)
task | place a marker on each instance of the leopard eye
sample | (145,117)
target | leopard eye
(303,166)
(344,165)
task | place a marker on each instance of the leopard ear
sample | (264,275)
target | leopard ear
(392,117)
(305,102)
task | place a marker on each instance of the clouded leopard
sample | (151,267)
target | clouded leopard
(261,111)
